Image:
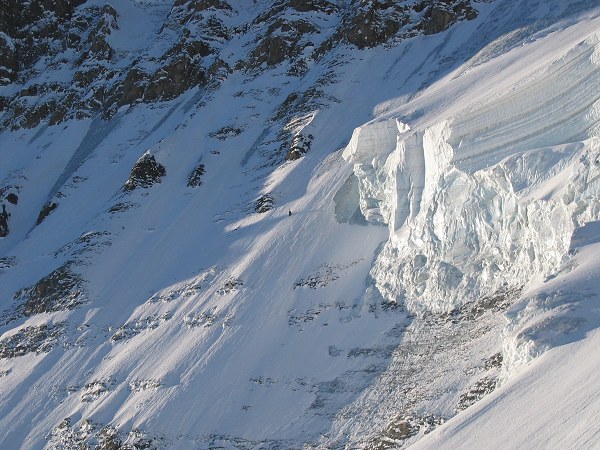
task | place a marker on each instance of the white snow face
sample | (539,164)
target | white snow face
(203,269)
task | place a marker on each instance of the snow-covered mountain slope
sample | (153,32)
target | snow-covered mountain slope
(298,224)
(553,402)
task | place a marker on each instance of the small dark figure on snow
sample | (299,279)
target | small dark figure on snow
(290,212)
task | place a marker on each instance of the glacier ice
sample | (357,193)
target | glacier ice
(487,200)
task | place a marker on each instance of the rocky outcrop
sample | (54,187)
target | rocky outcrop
(80,38)
(58,33)
(299,146)
(226,132)
(32,339)
(77,34)
(203,5)
(290,28)
(4,222)
(263,204)
(369,23)
(45,211)
(89,434)
(195,178)
(281,42)
(373,22)
(12,198)
(8,60)
(8,200)
(144,173)
(60,290)
(174,78)
(403,428)
(441,14)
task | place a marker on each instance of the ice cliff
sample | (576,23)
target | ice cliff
(487,199)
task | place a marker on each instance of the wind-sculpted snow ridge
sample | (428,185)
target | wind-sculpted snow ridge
(487,200)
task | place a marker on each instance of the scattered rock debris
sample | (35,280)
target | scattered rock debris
(94,389)
(480,389)
(122,206)
(404,427)
(199,320)
(32,339)
(132,329)
(144,385)
(325,274)
(87,434)
(231,285)
(226,132)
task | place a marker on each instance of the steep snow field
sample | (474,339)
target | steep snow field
(435,285)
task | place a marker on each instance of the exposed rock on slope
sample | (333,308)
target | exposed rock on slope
(263,204)
(145,172)
(80,40)
(369,23)
(33,339)
(8,200)
(195,178)
(46,211)
(60,290)
(4,222)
